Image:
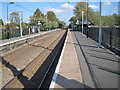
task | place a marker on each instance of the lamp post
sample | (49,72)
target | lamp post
(21,23)
(46,21)
(8,33)
(7,9)
(82,20)
(100,29)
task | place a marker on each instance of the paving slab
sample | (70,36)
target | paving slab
(103,64)
(68,73)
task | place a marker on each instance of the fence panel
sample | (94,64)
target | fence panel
(110,37)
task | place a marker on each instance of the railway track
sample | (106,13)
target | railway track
(28,66)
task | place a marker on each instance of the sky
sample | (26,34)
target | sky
(63,10)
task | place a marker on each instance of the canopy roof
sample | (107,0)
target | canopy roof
(85,22)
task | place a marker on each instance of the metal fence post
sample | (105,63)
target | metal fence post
(100,29)
(110,39)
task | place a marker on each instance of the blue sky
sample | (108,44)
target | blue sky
(63,10)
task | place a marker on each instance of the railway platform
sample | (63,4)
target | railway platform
(103,65)
(12,40)
(68,73)
(83,65)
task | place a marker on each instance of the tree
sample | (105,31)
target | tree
(1,22)
(74,19)
(38,13)
(117,19)
(24,25)
(46,21)
(78,9)
(37,16)
(61,24)
(14,18)
(54,21)
(92,15)
(51,16)
(109,21)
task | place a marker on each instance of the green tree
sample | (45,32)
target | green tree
(54,21)
(38,16)
(14,18)
(108,21)
(51,16)
(111,22)
(74,19)
(24,25)
(92,15)
(61,24)
(46,21)
(38,13)
(1,22)
(117,19)
(78,9)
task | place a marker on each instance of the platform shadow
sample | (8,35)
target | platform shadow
(101,51)
(106,69)
(68,84)
(106,59)
(11,67)
(23,79)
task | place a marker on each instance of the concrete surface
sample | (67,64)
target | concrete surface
(68,73)
(103,64)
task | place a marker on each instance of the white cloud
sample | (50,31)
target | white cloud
(107,3)
(93,6)
(67,6)
(55,10)
(64,8)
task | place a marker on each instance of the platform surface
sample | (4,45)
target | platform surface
(83,65)
(103,64)
(68,73)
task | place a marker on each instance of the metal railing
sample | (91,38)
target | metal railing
(110,37)
(7,34)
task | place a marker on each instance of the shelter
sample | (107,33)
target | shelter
(85,23)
